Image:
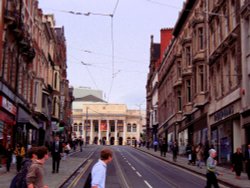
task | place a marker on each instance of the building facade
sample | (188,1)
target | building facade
(99,122)
(203,82)
(156,56)
(32,74)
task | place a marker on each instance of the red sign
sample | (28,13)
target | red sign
(103,126)
(7,105)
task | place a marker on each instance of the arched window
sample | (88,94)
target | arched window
(129,127)
(134,128)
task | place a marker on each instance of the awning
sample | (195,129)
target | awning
(25,117)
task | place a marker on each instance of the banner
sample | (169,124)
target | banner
(103,125)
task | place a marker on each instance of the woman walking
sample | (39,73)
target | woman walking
(237,161)
(20,153)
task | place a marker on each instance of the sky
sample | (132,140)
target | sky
(111,53)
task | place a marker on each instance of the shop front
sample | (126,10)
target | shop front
(27,129)
(7,120)
(225,133)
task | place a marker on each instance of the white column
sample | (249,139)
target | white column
(124,133)
(108,129)
(91,131)
(99,131)
(83,131)
(116,141)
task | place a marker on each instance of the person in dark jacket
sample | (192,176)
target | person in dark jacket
(237,161)
(56,152)
(189,153)
(247,158)
(9,152)
(175,150)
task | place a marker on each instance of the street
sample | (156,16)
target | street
(133,168)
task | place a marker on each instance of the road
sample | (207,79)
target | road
(131,168)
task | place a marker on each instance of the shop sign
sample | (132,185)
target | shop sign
(7,105)
(223,113)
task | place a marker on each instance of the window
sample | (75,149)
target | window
(55,81)
(95,123)
(112,125)
(201,79)
(200,38)
(54,106)
(75,128)
(188,55)
(134,128)
(129,127)
(233,68)
(179,69)
(179,99)
(188,85)
(234,11)
(226,75)
(218,79)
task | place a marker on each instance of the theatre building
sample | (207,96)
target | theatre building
(99,122)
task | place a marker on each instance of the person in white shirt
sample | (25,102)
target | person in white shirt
(98,172)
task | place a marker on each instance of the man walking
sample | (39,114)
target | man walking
(99,170)
(56,152)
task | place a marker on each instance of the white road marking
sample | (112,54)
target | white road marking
(133,167)
(148,184)
(129,164)
(138,174)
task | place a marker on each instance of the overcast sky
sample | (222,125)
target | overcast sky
(112,59)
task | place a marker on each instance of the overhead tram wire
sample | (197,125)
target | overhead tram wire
(113,49)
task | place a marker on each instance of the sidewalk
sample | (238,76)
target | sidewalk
(67,167)
(228,177)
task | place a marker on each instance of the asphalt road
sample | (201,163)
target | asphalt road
(131,168)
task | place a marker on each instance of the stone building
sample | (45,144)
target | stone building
(156,56)
(245,58)
(183,80)
(32,73)
(99,122)
(203,78)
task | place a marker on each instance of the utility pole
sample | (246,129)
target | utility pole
(86,124)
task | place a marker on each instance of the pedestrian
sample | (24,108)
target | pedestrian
(189,153)
(164,147)
(211,170)
(155,145)
(237,162)
(9,153)
(56,153)
(175,150)
(19,181)
(35,175)
(193,155)
(98,172)
(66,149)
(199,154)
(247,158)
(20,153)
(80,143)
